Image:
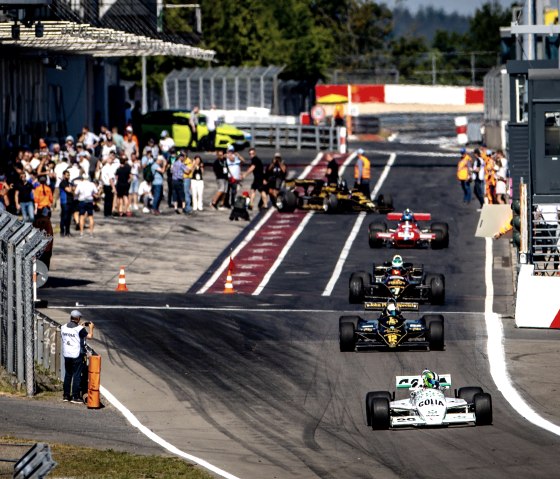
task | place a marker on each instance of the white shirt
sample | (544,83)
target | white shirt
(211,120)
(144,188)
(90,139)
(107,174)
(85,191)
(234,167)
(71,344)
(59,169)
(106,149)
(84,165)
(75,172)
(165,144)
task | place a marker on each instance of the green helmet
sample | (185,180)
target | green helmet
(430,379)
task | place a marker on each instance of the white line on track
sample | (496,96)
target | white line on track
(497,355)
(132,419)
(355,230)
(252,233)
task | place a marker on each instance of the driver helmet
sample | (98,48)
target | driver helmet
(391,308)
(430,379)
(397,261)
(407,215)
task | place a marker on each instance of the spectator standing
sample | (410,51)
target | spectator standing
(85,193)
(108,146)
(501,181)
(362,173)
(69,148)
(332,170)
(83,156)
(130,143)
(166,144)
(123,175)
(212,124)
(338,115)
(489,177)
(275,176)
(90,141)
(24,198)
(233,163)
(187,182)
(152,148)
(464,175)
(178,169)
(74,337)
(118,139)
(108,180)
(169,163)
(158,169)
(197,183)
(42,195)
(42,222)
(75,170)
(66,201)
(4,193)
(478,176)
(221,172)
(135,167)
(259,182)
(193,123)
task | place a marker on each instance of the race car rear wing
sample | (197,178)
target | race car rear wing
(380,305)
(408,382)
(417,216)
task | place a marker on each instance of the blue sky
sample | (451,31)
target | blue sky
(464,7)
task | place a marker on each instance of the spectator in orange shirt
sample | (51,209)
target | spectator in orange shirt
(42,195)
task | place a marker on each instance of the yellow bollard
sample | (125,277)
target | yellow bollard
(94,381)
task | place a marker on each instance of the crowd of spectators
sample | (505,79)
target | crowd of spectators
(108,173)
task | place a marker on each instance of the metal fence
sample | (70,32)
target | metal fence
(20,244)
(293,136)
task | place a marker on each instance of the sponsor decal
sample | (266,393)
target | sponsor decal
(431,402)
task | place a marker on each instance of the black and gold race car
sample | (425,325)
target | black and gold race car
(391,329)
(403,282)
(315,195)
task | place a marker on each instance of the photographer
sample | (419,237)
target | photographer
(275,175)
(74,337)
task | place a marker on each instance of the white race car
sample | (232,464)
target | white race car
(428,406)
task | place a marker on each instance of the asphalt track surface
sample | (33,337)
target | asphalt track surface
(256,385)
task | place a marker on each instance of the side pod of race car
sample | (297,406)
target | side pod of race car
(428,406)
(407,233)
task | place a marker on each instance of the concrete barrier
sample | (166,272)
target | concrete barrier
(538,301)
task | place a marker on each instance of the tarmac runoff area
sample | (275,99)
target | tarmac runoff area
(143,245)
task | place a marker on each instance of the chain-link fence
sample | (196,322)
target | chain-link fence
(20,244)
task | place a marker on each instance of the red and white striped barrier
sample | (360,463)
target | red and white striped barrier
(538,301)
(461,123)
(342,139)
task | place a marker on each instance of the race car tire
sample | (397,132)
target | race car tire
(346,339)
(379,413)
(356,288)
(373,229)
(369,400)
(468,393)
(286,201)
(483,409)
(385,201)
(330,204)
(437,289)
(441,231)
(436,331)
(354,320)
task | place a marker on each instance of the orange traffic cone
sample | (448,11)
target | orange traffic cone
(228,288)
(122,281)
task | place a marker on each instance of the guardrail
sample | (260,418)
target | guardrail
(293,136)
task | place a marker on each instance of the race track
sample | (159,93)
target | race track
(256,385)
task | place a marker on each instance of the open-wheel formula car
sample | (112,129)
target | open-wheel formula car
(408,233)
(315,195)
(427,405)
(398,280)
(391,329)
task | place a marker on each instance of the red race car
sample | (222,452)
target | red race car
(408,234)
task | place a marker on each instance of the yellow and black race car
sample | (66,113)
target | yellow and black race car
(315,195)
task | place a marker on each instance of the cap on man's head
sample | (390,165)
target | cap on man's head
(360,151)
(70,138)
(463,151)
(129,129)
(231,148)
(164,133)
(75,314)
(277,155)
(79,144)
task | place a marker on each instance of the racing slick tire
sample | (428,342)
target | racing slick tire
(385,202)
(468,393)
(483,409)
(330,204)
(286,201)
(354,320)
(369,400)
(379,413)
(373,229)
(441,231)
(346,338)
(436,283)
(358,281)
(436,331)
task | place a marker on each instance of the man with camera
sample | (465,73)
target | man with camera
(74,337)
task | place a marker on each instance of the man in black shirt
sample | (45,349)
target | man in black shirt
(221,172)
(123,175)
(259,181)
(332,170)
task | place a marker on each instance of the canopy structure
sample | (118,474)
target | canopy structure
(84,39)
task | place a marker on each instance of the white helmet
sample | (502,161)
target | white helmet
(397,261)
